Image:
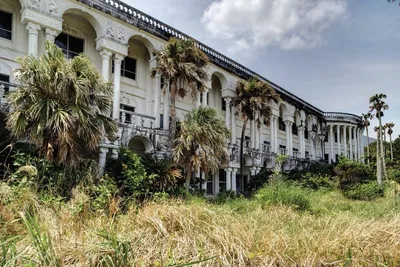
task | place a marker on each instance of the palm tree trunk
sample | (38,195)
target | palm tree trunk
(172,98)
(188,177)
(368,160)
(383,165)
(391,147)
(378,161)
(241,153)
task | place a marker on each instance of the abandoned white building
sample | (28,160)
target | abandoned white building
(119,37)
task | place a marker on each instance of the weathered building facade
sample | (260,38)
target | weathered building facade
(119,40)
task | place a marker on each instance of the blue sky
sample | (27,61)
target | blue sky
(334,54)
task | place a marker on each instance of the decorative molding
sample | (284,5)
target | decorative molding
(37,4)
(106,43)
(128,99)
(73,31)
(54,7)
(46,21)
(118,34)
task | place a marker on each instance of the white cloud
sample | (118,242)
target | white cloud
(290,24)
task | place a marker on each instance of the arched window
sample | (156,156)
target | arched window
(70,45)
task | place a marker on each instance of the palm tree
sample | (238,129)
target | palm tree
(390,126)
(367,122)
(59,106)
(378,105)
(184,65)
(166,171)
(253,97)
(201,142)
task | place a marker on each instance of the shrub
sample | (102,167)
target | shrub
(285,194)
(130,175)
(102,193)
(225,196)
(366,191)
(316,181)
(351,173)
(394,175)
(258,181)
(322,168)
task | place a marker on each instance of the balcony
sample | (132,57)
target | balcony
(282,151)
(266,149)
(136,120)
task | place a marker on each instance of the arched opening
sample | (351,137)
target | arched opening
(135,74)
(79,34)
(140,145)
(283,111)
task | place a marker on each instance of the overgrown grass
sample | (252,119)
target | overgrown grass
(267,231)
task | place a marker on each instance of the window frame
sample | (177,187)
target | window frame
(6,88)
(67,51)
(11,23)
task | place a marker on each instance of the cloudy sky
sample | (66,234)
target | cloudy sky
(334,54)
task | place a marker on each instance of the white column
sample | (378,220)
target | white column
(338,139)
(228,111)
(234,171)
(301,134)
(117,85)
(51,35)
(198,96)
(102,160)
(157,99)
(274,134)
(345,141)
(233,124)
(362,145)
(228,179)
(350,143)
(166,107)
(216,180)
(252,172)
(204,184)
(252,132)
(331,140)
(257,133)
(357,144)
(105,66)
(288,125)
(312,144)
(33,31)
(205,98)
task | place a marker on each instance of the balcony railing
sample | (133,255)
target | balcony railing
(296,154)
(136,120)
(342,117)
(265,148)
(282,151)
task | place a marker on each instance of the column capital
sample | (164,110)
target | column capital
(33,28)
(118,58)
(105,53)
(228,169)
(288,123)
(228,99)
(51,34)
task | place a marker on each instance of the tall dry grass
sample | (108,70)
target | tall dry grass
(335,232)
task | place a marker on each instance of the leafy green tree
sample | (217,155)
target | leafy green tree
(184,65)
(201,142)
(60,106)
(253,98)
(367,122)
(389,127)
(378,105)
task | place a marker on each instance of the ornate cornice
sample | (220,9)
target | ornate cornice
(38,17)
(109,44)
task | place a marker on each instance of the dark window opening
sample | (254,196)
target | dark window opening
(222,180)
(327,157)
(247,142)
(70,45)
(128,68)
(5,78)
(223,104)
(295,130)
(209,181)
(5,25)
(296,152)
(281,124)
(306,134)
(336,138)
(326,138)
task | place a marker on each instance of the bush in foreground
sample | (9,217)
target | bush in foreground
(366,191)
(285,194)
